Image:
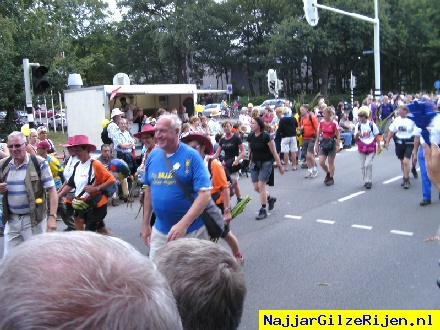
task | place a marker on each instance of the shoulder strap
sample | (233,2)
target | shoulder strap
(90,181)
(371,127)
(173,172)
(209,166)
(36,165)
(311,120)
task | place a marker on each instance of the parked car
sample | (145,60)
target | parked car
(273,103)
(58,120)
(210,107)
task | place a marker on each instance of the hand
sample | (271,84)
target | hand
(90,189)
(3,187)
(281,169)
(432,158)
(146,235)
(227,216)
(177,231)
(51,223)
(338,147)
(235,163)
(316,149)
(386,145)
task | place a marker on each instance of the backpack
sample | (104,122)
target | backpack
(216,195)
(34,160)
(104,135)
(371,128)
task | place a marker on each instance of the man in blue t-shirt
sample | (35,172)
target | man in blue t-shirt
(176,215)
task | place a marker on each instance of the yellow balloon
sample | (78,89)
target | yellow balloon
(25,129)
(105,122)
(198,108)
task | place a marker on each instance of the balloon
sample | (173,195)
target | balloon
(119,166)
(198,108)
(105,122)
(25,129)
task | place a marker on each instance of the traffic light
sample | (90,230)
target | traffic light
(272,87)
(353,82)
(280,85)
(39,82)
(272,81)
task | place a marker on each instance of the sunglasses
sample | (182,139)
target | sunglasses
(16,146)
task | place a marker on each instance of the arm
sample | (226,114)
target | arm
(146,228)
(338,139)
(241,155)
(432,158)
(318,133)
(53,206)
(416,148)
(390,135)
(199,204)
(273,150)
(217,153)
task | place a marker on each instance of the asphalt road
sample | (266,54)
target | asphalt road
(338,247)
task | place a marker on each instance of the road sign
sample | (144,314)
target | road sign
(229,89)
(365,52)
(437,84)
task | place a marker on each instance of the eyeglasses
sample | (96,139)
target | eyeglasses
(16,146)
(43,132)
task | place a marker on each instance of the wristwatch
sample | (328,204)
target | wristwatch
(53,215)
(227,209)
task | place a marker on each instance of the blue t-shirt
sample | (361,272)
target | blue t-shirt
(169,202)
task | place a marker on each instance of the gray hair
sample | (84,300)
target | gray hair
(175,121)
(17,134)
(207,282)
(287,111)
(83,280)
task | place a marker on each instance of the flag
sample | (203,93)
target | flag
(113,94)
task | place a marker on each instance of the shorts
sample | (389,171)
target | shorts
(261,171)
(330,153)
(308,146)
(404,150)
(289,144)
(234,176)
(93,218)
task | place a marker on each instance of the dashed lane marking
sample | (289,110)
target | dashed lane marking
(393,179)
(343,199)
(328,222)
(362,227)
(400,232)
(296,217)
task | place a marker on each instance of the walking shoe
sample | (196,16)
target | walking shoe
(240,260)
(304,165)
(330,182)
(368,185)
(414,172)
(425,202)
(327,177)
(262,214)
(406,184)
(403,182)
(271,201)
(309,175)
(115,202)
(314,174)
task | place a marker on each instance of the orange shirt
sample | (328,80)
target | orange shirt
(218,179)
(309,127)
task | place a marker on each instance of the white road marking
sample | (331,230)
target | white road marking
(329,222)
(393,179)
(343,199)
(399,232)
(296,217)
(362,227)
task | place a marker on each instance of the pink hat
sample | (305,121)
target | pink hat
(209,149)
(81,140)
(43,145)
(68,144)
(146,129)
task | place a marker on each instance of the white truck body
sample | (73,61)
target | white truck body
(86,108)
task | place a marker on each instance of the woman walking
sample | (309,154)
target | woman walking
(366,135)
(262,153)
(89,178)
(287,133)
(329,145)
(234,150)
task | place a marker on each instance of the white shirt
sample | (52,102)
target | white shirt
(245,120)
(365,134)
(402,127)
(82,177)
(214,126)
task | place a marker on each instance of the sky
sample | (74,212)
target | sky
(112,5)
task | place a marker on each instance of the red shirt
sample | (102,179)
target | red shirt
(328,130)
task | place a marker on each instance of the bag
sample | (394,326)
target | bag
(366,148)
(213,220)
(230,168)
(328,144)
(104,136)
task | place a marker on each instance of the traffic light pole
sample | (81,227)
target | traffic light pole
(27,88)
